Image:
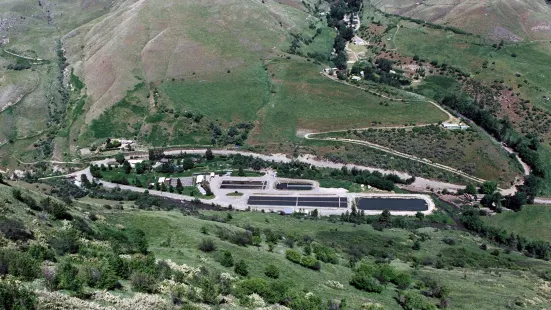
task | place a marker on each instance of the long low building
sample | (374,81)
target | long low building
(298,201)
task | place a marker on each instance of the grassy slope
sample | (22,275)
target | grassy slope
(500,19)
(533,222)
(31,35)
(471,151)
(304,99)
(469,53)
(466,292)
(469,288)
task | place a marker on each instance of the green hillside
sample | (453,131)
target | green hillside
(99,253)
(533,222)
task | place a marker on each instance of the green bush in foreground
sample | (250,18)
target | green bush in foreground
(241,268)
(293,256)
(374,278)
(272,272)
(414,301)
(306,261)
(17,264)
(207,245)
(143,282)
(16,297)
(227,259)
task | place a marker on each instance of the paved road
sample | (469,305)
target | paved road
(420,184)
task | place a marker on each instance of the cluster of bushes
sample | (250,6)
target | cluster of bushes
(14,229)
(66,190)
(325,253)
(380,73)
(48,205)
(19,66)
(279,292)
(235,135)
(411,300)
(239,237)
(375,277)
(18,264)
(16,296)
(305,261)
(112,144)
(146,201)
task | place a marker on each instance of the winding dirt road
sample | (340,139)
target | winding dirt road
(451,119)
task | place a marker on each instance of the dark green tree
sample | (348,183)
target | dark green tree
(227,259)
(241,268)
(188,163)
(126,167)
(488,187)
(120,158)
(470,189)
(179,186)
(209,155)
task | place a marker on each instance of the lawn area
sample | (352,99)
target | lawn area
(302,99)
(533,222)
(438,87)
(470,151)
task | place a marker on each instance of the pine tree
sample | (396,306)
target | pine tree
(179,186)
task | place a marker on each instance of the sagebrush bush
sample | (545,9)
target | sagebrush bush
(18,264)
(207,245)
(143,282)
(14,230)
(241,268)
(272,271)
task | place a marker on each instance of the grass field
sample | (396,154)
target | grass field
(287,96)
(302,99)
(231,97)
(534,222)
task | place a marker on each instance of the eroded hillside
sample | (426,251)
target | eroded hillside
(497,19)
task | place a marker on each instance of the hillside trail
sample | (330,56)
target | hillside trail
(22,56)
(46,161)
(394,39)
